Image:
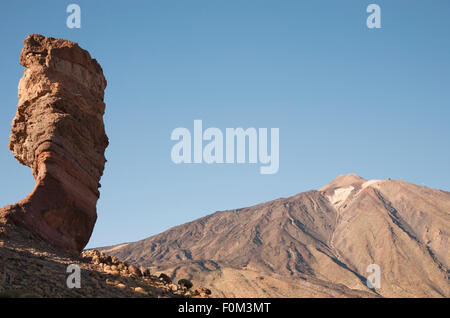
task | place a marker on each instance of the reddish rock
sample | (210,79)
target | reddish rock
(134,271)
(59,133)
(145,271)
(202,290)
(166,279)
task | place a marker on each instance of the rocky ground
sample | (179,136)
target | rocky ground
(30,267)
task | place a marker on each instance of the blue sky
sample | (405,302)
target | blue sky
(345,98)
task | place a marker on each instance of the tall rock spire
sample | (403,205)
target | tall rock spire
(58,132)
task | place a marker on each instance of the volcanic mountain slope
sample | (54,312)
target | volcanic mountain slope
(314,244)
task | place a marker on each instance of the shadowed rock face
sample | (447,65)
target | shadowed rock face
(58,132)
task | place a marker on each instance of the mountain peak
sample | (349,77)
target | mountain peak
(343,181)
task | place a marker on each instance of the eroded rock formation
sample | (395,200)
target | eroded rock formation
(58,132)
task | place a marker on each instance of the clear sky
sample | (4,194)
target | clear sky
(346,98)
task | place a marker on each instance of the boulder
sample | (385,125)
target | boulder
(134,271)
(166,279)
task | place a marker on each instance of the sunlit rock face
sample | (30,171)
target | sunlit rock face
(58,132)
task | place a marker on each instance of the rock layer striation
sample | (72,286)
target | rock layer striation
(58,132)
